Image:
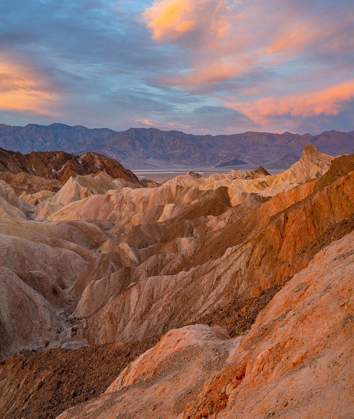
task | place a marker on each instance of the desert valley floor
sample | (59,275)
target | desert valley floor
(227,296)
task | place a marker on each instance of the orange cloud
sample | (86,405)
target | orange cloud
(293,38)
(146,121)
(20,89)
(164,125)
(169,19)
(329,101)
(212,73)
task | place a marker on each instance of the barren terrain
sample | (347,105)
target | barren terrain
(220,296)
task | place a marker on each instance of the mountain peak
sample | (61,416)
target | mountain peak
(261,170)
(313,156)
(310,150)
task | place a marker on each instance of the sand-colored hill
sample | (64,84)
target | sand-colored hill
(10,205)
(28,184)
(311,165)
(78,188)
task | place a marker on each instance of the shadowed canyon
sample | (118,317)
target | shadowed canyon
(228,296)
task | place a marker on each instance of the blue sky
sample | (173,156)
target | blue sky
(200,66)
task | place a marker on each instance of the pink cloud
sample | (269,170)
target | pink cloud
(213,73)
(327,101)
(145,121)
(22,89)
(163,125)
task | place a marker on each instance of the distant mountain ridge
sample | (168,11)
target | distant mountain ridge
(153,148)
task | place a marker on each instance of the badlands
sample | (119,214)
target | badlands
(222,297)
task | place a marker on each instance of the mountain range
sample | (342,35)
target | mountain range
(140,148)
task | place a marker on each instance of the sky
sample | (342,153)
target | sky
(198,66)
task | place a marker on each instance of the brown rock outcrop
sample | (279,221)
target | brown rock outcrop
(25,183)
(61,166)
(35,279)
(35,384)
(162,380)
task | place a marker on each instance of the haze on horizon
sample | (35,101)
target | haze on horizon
(200,66)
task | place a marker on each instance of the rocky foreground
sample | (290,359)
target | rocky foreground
(225,297)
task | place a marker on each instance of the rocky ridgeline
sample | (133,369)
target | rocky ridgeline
(60,166)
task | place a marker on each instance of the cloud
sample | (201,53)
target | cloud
(21,88)
(203,28)
(230,38)
(170,19)
(328,101)
(214,73)
(162,125)
(146,122)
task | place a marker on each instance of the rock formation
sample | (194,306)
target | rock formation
(296,361)
(221,297)
(61,166)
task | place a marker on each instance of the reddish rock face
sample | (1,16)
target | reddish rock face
(61,166)
(296,361)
